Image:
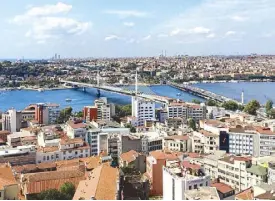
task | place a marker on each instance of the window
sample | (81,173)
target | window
(48,158)
(190,187)
(195,186)
(206,183)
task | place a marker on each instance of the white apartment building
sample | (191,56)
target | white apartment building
(176,181)
(243,141)
(271,172)
(213,126)
(76,129)
(205,142)
(47,137)
(68,149)
(143,110)
(214,112)
(11,120)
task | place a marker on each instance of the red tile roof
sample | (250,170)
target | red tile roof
(187,164)
(129,156)
(177,137)
(222,187)
(77,125)
(245,195)
(160,155)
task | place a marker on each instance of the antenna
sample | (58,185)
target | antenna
(97,77)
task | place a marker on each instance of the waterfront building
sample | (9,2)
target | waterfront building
(11,120)
(180,179)
(143,110)
(103,109)
(186,111)
(46,113)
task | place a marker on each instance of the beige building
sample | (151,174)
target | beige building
(8,186)
(205,142)
(180,143)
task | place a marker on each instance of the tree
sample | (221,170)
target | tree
(230,105)
(132,128)
(79,114)
(192,124)
(52,194)
(65,114)
(68,189)
(252,107)
(211,102)
(268,106)
(196,101)
(123,110)
(271,113)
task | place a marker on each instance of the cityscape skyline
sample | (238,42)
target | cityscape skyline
(95,29)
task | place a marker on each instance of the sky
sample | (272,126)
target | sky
(122,28)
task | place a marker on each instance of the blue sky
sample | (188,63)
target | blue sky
(118,28)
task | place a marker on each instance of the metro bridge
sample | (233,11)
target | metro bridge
(150,96)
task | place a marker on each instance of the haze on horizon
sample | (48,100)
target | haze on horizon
(39,29)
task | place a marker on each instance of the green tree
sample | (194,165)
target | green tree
(52,194)
(65,114)
(68,189)
(230,105)
(211,102)
(271,113)
(132,128)
(79,114)
(252,107)
(268,106)
(196,101)
(192,124)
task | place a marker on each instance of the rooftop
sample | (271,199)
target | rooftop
(160,155)
(129,156)
(6,176)
(202,193)
(222,187)
(76,124)
(232,159)
(177,137)
(257,170)
(101,185)
(245,195)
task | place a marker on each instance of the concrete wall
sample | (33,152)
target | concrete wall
(11,192)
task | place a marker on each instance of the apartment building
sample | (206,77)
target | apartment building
(48,136)
(210,163)
(90,113)
(46,113)
(143,110)
(103,109)
(186,111)
(68,149)
(271,172)
(76,129)
(180,143)
(178,179)
(232,171)
(243,141)
(205,142)
(11,120)
(154,164)
(266,141)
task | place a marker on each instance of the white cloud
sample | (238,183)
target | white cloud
(46,23)
(212,35)
(194,30)
(129,24)
(239,18)
(111,37)
(146,38)
(162,35)
(127,13)
(230,33)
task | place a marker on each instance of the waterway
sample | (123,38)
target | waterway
(19,99)
(261,91)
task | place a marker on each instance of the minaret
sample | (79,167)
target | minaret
(242,97)
(97,77)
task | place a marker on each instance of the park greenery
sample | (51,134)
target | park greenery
(196,101)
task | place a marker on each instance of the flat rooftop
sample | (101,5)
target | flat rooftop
(202,193)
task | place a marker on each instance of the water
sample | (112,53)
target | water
(21,99)
(261,91)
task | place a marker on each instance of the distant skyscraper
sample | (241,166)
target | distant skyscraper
(59,56)
(55,56)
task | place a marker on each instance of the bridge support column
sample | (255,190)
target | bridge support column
(84,89)
(98,93)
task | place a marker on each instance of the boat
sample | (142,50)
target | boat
(40,90)
(178,94)
(68,100)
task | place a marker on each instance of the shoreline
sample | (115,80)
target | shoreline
(34,89)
